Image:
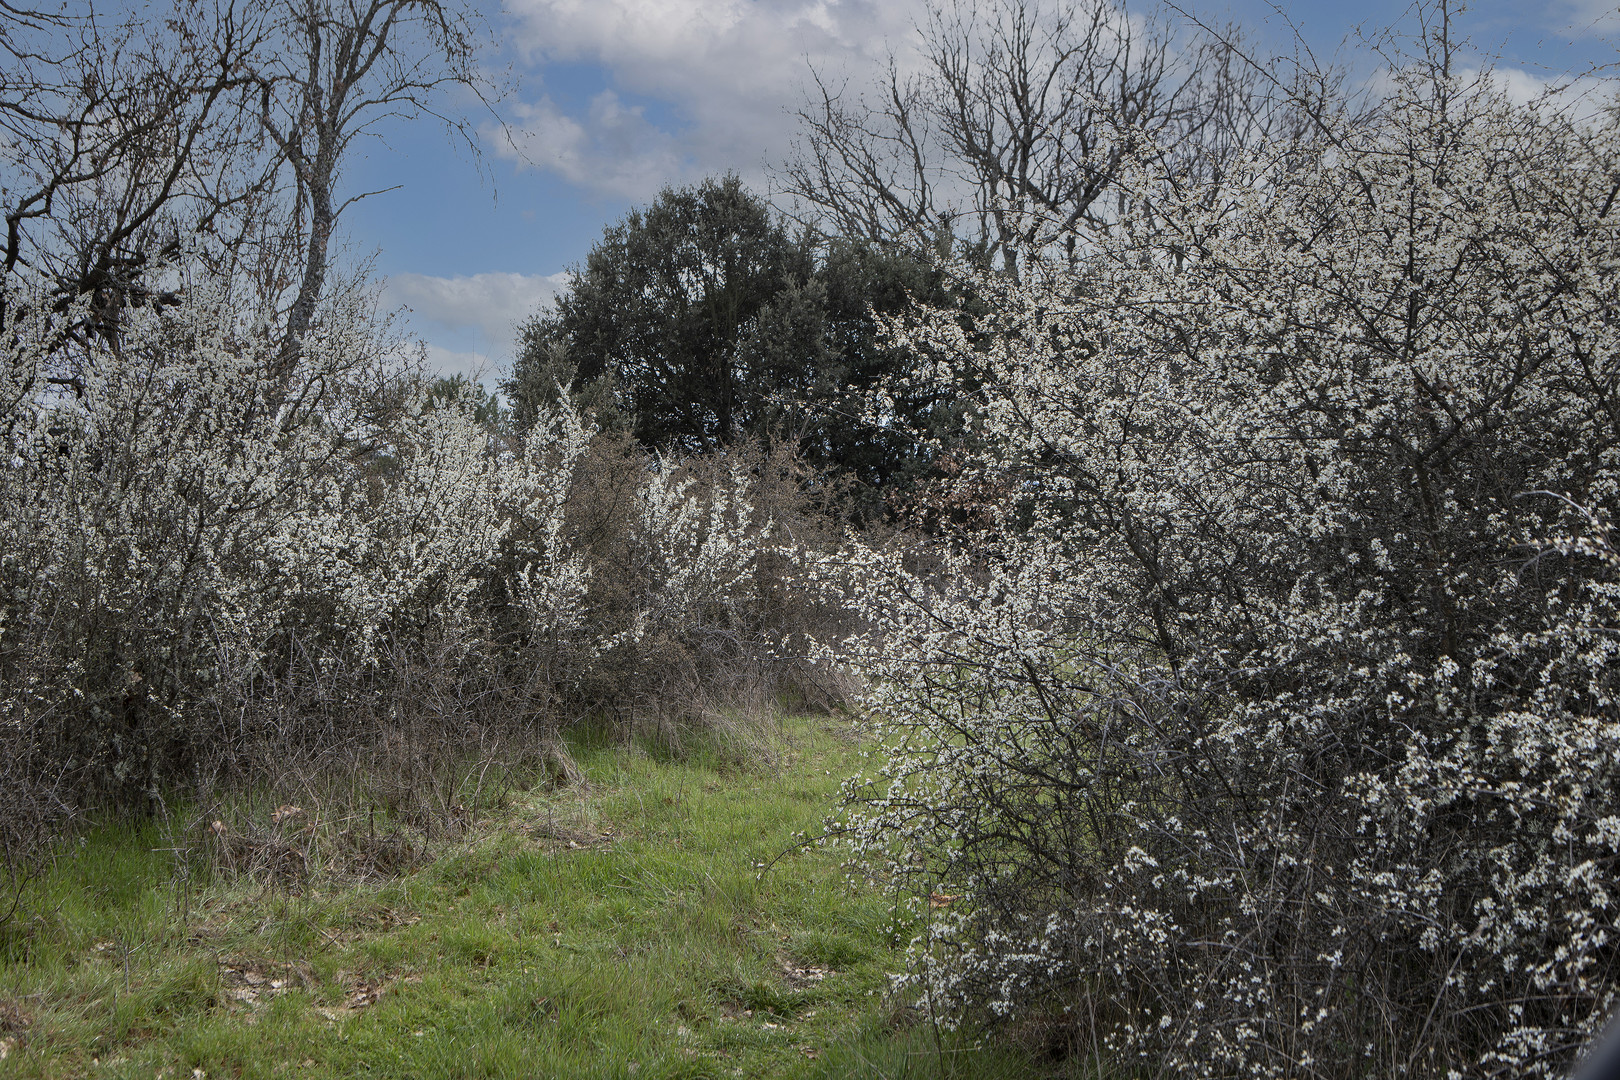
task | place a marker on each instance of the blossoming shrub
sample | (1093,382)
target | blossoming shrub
(155,486)
(1273,732)
(207,559)
(686,606)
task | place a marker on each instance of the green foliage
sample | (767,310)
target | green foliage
(658,311)
(700,321)
(856,287)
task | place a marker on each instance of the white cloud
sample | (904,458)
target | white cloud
(1582,97)
(614,150)
(731,70)
(1588,18)
(469,322)
(475,366)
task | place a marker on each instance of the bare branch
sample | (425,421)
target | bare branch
(1014,127)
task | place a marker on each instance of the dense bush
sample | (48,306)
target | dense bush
(1272,731)
(207,562)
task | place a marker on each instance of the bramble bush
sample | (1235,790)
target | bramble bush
(1269,728)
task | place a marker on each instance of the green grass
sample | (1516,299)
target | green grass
(620,929)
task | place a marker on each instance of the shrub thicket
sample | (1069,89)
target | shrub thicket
(1271,731)
(208,563)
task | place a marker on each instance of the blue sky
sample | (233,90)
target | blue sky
(616,98)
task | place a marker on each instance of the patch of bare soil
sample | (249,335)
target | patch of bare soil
(246,984)
(797,977)
(564,836)
(14,1025)
(360,993)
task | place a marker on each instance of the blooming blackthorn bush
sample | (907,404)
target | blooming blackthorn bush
(206,554)
(1271,729)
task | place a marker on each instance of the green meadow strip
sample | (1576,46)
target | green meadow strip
(616,928)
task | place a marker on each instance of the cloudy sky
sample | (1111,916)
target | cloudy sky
(614,99)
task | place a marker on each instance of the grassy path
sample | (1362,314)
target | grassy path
(620,929)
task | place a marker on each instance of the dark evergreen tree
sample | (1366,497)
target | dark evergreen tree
(700,320)
(821,346)
(654,319)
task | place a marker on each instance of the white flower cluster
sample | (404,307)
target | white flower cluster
(187,531)
(1271,730)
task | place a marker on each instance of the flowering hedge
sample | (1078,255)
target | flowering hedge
(1271,731)
(202,553)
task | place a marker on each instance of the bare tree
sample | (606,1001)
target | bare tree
(118,141)
(1012,129)
(342,67)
